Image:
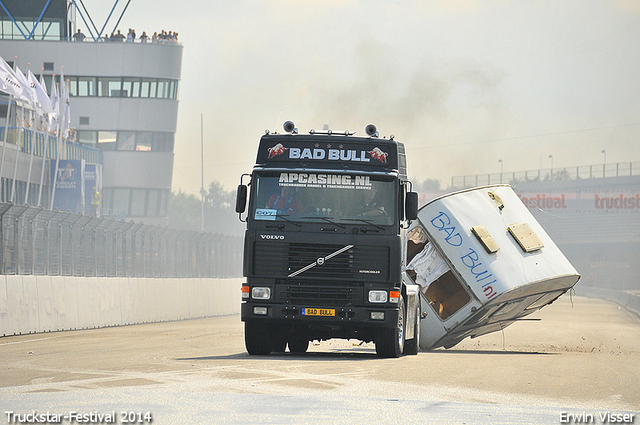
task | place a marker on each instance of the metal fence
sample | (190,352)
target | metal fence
(548,174)
(37,241)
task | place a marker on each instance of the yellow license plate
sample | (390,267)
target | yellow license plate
(318,312)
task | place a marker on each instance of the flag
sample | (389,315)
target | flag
(10,84)
(65,110)
(55,105)
(26,89)
(39,93)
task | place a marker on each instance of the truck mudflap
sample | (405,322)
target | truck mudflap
(482,262)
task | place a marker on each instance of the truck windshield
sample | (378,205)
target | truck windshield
(313,197)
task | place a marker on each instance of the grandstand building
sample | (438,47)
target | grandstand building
(123,102)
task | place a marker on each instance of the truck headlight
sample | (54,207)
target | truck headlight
(378,296)
(260,293)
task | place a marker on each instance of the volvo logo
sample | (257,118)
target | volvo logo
(320,261)
(276,237)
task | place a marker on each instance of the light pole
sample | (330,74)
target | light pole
(604,162)
(202,172)
(551,157)
(501,165)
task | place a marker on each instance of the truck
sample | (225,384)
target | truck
(324,248)
(336,247)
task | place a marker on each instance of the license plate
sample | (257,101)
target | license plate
(318,312)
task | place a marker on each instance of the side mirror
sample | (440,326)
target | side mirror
(241,198)
(411,206)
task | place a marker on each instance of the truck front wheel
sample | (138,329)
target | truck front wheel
(298,344)
(390,341)
(257,338)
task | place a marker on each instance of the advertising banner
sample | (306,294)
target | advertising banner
(69,185)
(93,189)
(583,201)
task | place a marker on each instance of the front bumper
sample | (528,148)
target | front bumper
(350,316)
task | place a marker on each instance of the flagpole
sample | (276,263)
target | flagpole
(202,172)
(26,194)
(15,167)
(58,143)
(46,149)
(55,172)
(6,132)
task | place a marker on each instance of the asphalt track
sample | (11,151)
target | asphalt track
(578,357)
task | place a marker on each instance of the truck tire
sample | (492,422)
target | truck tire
(257,338)
(412,346)
(390,341)
(278,342)
(298,345)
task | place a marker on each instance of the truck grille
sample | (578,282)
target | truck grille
(370,263)
(318,296)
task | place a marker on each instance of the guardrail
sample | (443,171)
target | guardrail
(37,241)
(44,144)
(548,174)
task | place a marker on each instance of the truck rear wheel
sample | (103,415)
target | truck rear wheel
(390,341)
(257,338)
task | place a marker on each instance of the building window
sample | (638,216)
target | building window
(164,198)
(136,202)
(121,201)
(126,140)
(131,87)
(153,208)
(153,89)
(86,86)
(144,141)
(84,120)
(47,29)
(141,141)
(87,137)
(48,66)
(107,140)
(163,142)
(123,87)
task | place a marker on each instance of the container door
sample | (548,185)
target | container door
(431,327)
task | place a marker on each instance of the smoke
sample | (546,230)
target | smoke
(433,105)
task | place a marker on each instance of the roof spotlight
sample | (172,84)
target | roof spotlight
(290,127)
(371,130)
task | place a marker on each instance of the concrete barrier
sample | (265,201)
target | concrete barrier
(30,304)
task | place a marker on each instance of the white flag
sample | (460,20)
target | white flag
(9,83)
(24,83)
(55,105)
(39,93)
(65,111)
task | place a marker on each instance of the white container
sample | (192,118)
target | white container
(483,263)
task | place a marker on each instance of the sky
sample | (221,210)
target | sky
(470,86)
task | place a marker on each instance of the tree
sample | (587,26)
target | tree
(185,211)
(426,186)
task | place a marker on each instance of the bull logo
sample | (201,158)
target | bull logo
(378,154)
(276,150)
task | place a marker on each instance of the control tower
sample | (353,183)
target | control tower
(123,100)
